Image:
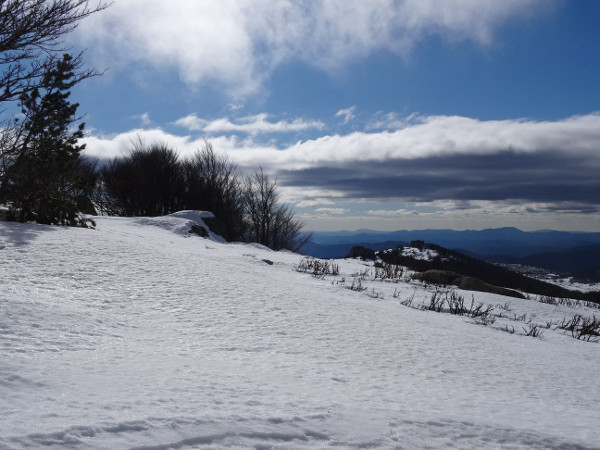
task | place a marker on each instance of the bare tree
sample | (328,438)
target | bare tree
(31,32)
(213,184)
(271,224)
(148,182)
(260,198)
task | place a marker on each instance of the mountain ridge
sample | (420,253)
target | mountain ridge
(452,261)
(502,245)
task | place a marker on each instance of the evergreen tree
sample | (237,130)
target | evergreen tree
(43,183)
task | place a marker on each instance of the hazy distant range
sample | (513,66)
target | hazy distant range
(553,250)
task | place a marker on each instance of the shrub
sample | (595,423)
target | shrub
(436,302)
(318,268)
(408,301)
(385,271)
(362,273)
(357,285)
(582,328)
(510,331)
(482,314)
(533,330)
(456,303)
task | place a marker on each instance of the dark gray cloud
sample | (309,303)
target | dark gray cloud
(544,177)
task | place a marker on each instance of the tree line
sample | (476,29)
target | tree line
(152,181)
(44,177)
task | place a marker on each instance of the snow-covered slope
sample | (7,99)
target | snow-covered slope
(139,335)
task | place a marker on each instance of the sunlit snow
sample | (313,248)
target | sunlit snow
(140,335)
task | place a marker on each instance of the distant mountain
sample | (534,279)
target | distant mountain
(443,259)
(559,250)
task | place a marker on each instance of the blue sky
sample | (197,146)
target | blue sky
(385,114)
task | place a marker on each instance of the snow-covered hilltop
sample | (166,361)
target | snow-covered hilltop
(141,335)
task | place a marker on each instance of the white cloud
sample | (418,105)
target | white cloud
(439,136)
(308,196)
(239,43)
(392,212)
(577,136)
(144,119)
(314,202)
(113,146)
(334,211)
(256,124)
(392,121)
(482,208)
(347,114)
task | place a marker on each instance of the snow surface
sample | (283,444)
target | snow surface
(137,335)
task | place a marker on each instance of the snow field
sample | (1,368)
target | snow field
(136,335)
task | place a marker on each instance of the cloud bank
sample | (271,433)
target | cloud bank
(239,43)
(553,165)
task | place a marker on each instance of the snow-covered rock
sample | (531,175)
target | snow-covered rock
(181,222)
